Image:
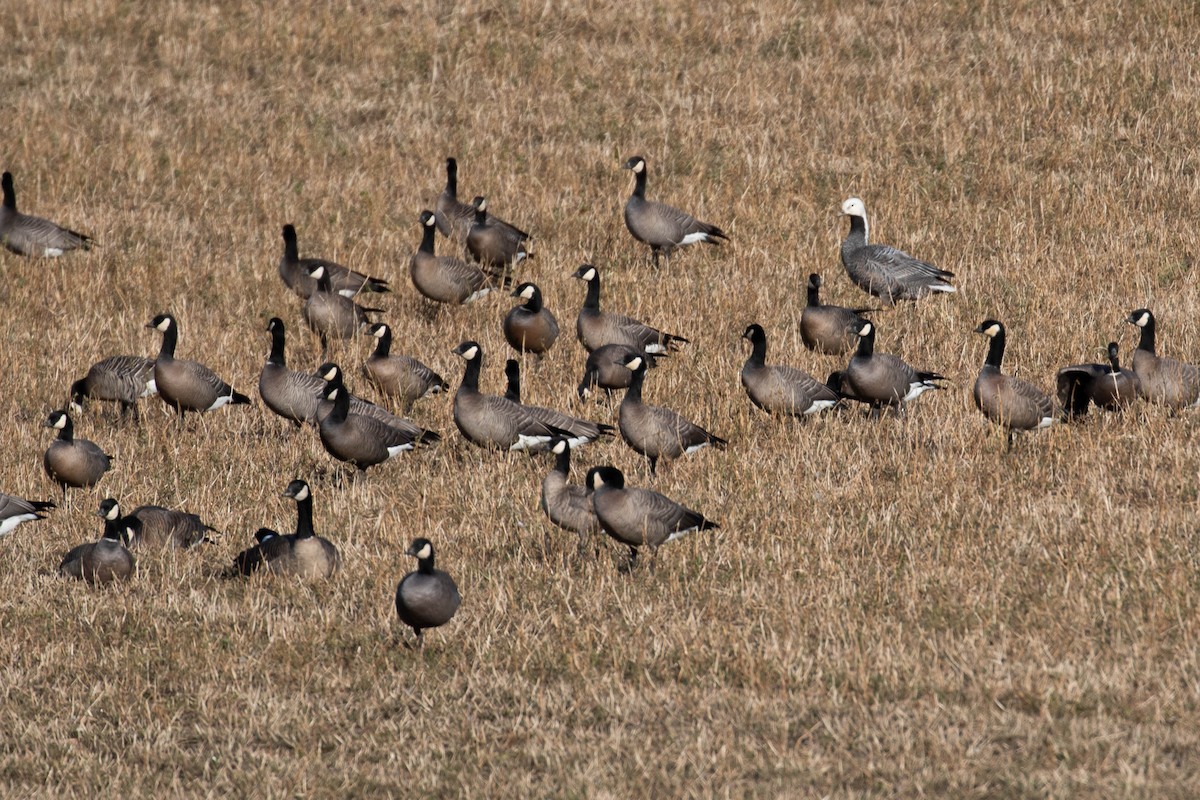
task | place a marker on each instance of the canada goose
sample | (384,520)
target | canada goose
(292,395)
(296,272)
(302,554)
(596,328)
(161,527)
(1166,381)
(428,597)
(639,517)
(1011,403)
(401,377)
(105,560)
(779,389)
(33,236)
(530,327)
(496,246)
(332,372)
(73,462)
(568,505)
(121,379)
(1107,385)
(495,422)
(881,379)
(454,219)
(653,431)
(605,369)
(330,315)
(444,279)
(884,271)
(512,378)
(662,227)
(357,439)
(15,510)
(828,329)
(187,385)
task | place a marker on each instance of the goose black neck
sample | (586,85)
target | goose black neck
(452,178)
(304,523)
(324,283)
(814,295)
(427,239)
(291,252)
(512,372)
(341,401)
(534,304)
(758,352)
(639,186)
(10,194)
(480,216)
(425,565)
(634,392)
(170,337)
(1147,339)
(67,432)
(277,356)
(995,351)
(114,529)
(866,344)
(592,300)
(383,345)
(1112,358)
(471,373)
(562,461)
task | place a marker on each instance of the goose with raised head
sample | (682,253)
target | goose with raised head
(27,235)
(296,272)
(444,279)
(454,219)
(428,597)
(530,327)
(1009,402)
(596,328)
(880,379)
(331,372)
(605,369)
(302,554)
(1166,381)
(161,527)
(78,463)
(781,389)
(664,228)
(1107,386)
(187,385)
(883,271)
(567,505)
(106,560)
(329,314)
(295,396)
(398,376)
(356,439)
(654,431)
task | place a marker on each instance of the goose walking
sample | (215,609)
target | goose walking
(882,380)
(654,431)
(662,227)
(596,328)
(428,597)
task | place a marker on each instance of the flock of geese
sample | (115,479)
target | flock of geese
(621,352)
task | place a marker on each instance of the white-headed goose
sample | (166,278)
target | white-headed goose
(27,235)
(1165,381)
(427,597)
(187,385)
(1011,403)
(781,389)
(888,273)
(661,226)
(296,272)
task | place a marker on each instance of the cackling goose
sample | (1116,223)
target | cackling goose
(73,462)
(296,272)
(780,389)
(653,431)
(660,226)
(329,314)
(1108,386)
(27,235)
(357,439)
(881,379)
(105,560)
(428,597)
(161,527)
(302,554)
(596,328)
(530,327)
(1011,403)
(15,510)
(444,279)
(568,505)
(187,385)
(1165,381)
(496,246)
(401,377)
(454,219)
(828,329)
(120,379)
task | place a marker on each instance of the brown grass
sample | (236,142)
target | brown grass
(891,609)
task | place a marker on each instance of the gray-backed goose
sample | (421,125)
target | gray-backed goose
(884,271)
(34,236)
(661,226)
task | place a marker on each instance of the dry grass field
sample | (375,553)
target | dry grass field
(897,608)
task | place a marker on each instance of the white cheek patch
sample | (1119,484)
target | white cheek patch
(865,329)
(639,166)
(303,493)
(113,513)
(379,332)
(330,374)
(470,353)
(425,552)
(528,293)
(60,422)
(429,222)
(164,325)
(1143,320)
(560,447)
(634,363)
(590,275)
(992,330)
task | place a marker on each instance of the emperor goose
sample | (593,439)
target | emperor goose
(296,272)
(329,314)
(1011,403)
(454,219)
(161,527)
(73,462)
(639,517)
(881,379)
(661,226)
(356,439)
(187,385)
(1108,386)
(15,510)
(120,379)
(530,327)
(495,245)
(428,597)
(653,431)
(27,235)
(401,377)
(1165,381)
(884,271)
(302,554)
(106,560)
(596,328)
(568,505)
(828,329)
(780,389)
(444,279)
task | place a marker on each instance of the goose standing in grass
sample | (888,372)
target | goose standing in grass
(454,219)
(119,379)
(296,272)
(1165,381)
(295,396)
(68,461)
(27,235)
(781,389)
(357,439)
(187,385)
(329,314)
(881,379)
(428,597)
(161,527)
(497,247)
(530,327)
(656,432)
(596,328)
(883,271)
(397,376)
(1108,386)
(661,226)
(605,369)
(829,329)
(444,279)
(568,505)
(1011,403)
(640,517)
(106,560)
(330,372)
(302,554)
(16,510)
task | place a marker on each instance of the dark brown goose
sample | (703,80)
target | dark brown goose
(640,517)
(656,432)
(68,461)
(16,510)
(398,376)
(161,527)
(661,226)
(1011,403)
(889,274)
(880,379)
(1165,381)
(119,379)
(106,560)
(605,369)
(296,272)
(497,247)
(187,385)
(829,329)
(356,439)
(530,327)
(596,328)
(1108,386)
(27,235)
(329,314)
(444,279)
(302,554)
(568,505)
(428,597)
(781,389)
(295,396)
(454,219)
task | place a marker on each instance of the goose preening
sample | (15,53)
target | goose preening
(1107,386)
(662,227)
(1011,403)
(454,219)
(296,272)
(428,597)
(880,379)
(16,510)
(654,431)
(1163,380)
(596,328)
(530,327)
(445,279)
(884,271)
(781,389)
(829,329)
(398,376)
(73,462)
(118,379)
(106,560)
(187,385)
(331,315)
(638,517)
(302,554)
(28,235)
